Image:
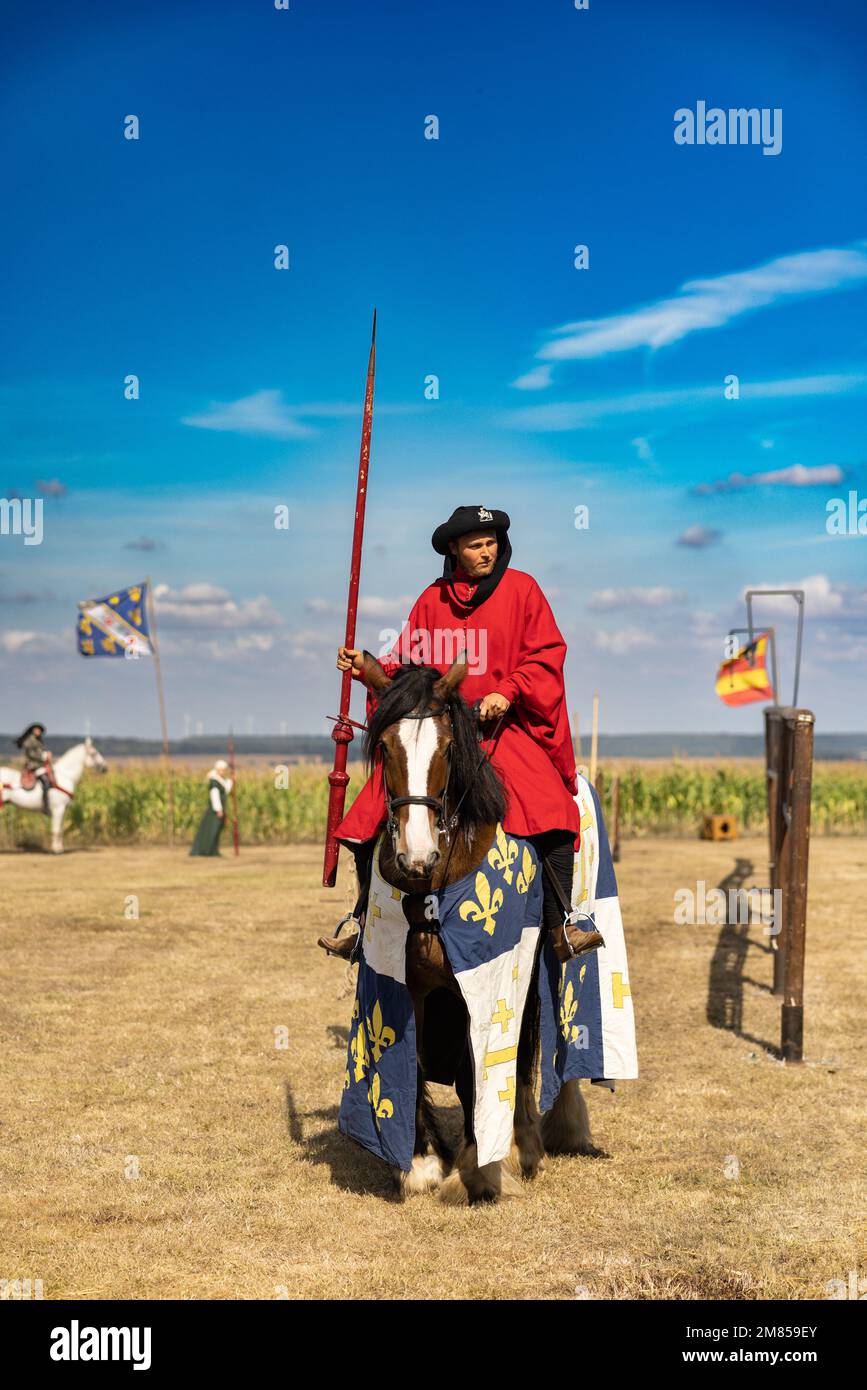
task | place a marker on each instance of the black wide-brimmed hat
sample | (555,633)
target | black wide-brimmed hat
(465,519)
(28,731)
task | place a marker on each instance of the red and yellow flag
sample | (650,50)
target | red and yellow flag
(745,678)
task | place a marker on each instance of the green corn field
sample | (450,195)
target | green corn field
(130,805)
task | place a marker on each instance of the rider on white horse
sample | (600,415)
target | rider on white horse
(65,774)
(36,758)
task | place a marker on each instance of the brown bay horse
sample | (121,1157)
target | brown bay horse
(445,801)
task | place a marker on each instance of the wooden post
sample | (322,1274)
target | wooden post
(773,768)
(614,830)
(800,724)
(155,648)
(576,735)
(234,792)
(594,737)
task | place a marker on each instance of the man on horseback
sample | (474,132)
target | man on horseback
(501,618)
(37,761)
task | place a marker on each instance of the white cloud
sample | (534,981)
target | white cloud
(535,380)
(603,600)
(263,413)
(28,641)
(704,304)
(574,415)
(821,597)
(644,449)
(625,639)
(797,475)
(267,415)
(207,606)
(15,641)
(243,644)
(375,606)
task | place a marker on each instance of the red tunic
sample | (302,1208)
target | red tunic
(514,647)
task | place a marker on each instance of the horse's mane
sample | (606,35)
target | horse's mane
(479,789)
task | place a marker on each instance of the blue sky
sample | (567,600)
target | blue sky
(558,387)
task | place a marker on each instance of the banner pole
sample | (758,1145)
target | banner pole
(155,648)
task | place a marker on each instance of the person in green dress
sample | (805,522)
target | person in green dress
(207,841)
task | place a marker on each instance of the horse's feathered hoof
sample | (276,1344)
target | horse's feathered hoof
(468,1184)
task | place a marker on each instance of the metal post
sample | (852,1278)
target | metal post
(784,847)
(801,723)
(773,750)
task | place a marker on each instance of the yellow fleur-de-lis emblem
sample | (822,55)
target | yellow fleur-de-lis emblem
(135,617)
(135,595)
(568,1010)
(358,1048)
(569,1006)
(503,854)
(380,1037)
(87,646)
(85,625)
(382,1108)
(528,871)
(487,907)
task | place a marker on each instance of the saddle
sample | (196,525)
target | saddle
(28,779)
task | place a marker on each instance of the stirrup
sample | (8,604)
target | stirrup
(580,942)
(333,946)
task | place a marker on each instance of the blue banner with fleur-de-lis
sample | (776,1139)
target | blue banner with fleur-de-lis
(587,1025)
(379,1088)
(489,923)
(116,625)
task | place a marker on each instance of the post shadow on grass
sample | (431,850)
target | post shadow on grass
(725,995)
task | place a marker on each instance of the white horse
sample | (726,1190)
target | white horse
(67,774)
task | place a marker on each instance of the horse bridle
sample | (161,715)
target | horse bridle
(445,822)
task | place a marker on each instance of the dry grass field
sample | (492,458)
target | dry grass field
(148,1047)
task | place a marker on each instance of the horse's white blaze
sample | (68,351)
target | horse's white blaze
(419,740)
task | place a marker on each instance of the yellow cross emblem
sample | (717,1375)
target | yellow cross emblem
(497,1058)
(620,988)
(502,1015)
(509,1094)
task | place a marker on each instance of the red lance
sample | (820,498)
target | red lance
(234,791)
(342,734)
